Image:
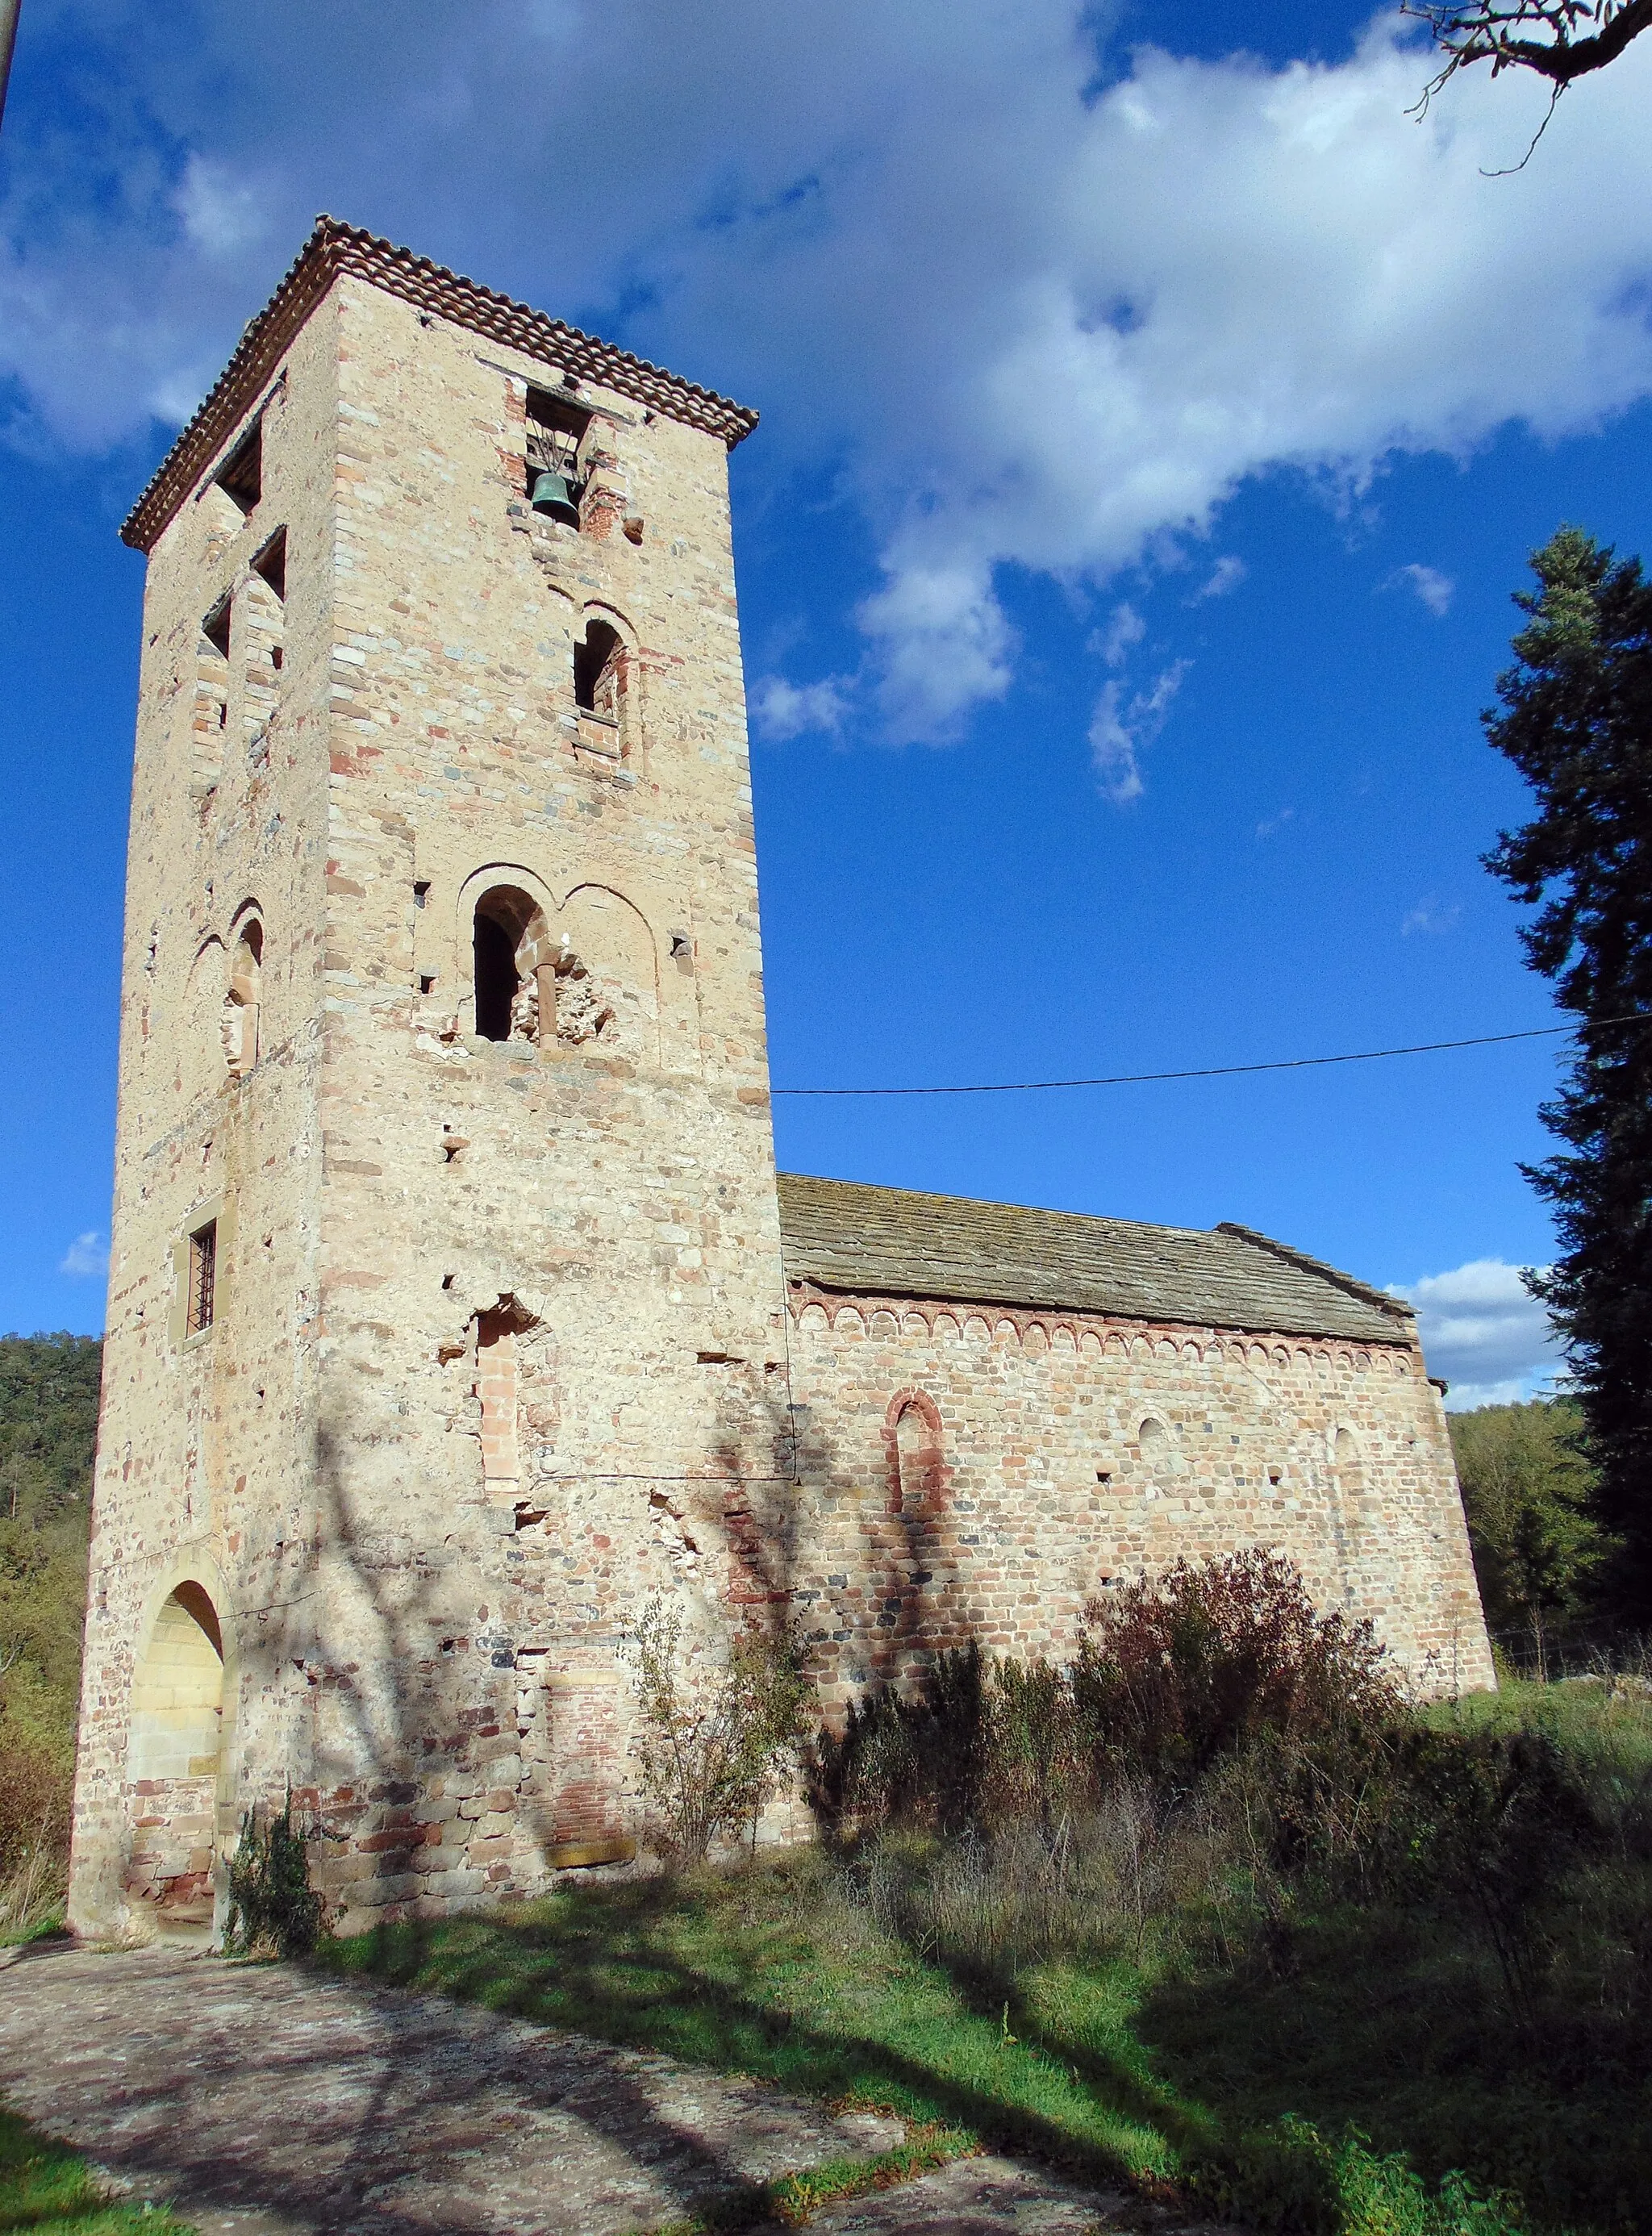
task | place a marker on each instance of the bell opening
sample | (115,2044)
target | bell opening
(557,426)
(552,498)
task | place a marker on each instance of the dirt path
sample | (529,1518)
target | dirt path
(265,2101)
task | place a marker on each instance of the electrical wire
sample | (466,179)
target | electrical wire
(1222,1070)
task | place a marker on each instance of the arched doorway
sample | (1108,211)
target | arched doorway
(173,1755)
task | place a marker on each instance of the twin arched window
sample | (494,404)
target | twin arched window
(515,967)
(594,979)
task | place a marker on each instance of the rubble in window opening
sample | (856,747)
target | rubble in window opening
(585,1011)
(671,1532)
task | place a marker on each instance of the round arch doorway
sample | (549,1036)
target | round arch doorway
(173,1757)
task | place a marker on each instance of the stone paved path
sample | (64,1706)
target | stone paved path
(265,2102)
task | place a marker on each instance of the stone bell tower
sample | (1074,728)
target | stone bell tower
(444,1320)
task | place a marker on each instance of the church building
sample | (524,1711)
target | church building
(457,1311)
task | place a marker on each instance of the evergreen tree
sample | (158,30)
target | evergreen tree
(1576,720)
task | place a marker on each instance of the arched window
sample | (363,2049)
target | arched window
(913,1435)
(239,1021)
(1345,1457)
(1152,1440)
(514,976)
(597,670)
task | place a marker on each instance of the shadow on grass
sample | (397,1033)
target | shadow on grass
(1380,2020)
(47,2188)
(659,1968)
(1386,2023)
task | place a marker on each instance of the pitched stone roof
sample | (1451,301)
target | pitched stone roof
(334,247)
(843,1235)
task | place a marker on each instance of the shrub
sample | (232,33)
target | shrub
(922,1761)
(35,1792)
(1173,1674)
(273,1907)
(711,1756)
(35,1789)
(1170,1678)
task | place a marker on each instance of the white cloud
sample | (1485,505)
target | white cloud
(1272,823)
(1125,628)
(1431,917)
(1121,728)
(87,1257)
(222,216)
(781,710)
(945,643)
(1030,326)
(1484,1333)
(1432,588)
(1226,575)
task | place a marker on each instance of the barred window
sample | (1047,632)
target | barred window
(203,1270)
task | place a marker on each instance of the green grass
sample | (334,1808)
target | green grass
(795,2198)
(1344,2071)
(47,2188)
(1589,1718)
(1347,2071)
(773,1971)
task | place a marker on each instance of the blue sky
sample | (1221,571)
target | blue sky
(1155,424)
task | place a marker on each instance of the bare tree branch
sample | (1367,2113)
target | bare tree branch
(1500,32)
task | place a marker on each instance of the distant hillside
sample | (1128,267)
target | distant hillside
(1539,1554)
(48,1386)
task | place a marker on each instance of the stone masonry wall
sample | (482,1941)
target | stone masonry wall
(1039,1487)
(204,1455)
(551,1278)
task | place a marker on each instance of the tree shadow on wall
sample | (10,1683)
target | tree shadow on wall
(388,1595)
(903,1603)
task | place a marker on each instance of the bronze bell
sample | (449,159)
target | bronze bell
(552,497)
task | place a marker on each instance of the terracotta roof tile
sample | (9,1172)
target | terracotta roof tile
(844,1235)
(334,247)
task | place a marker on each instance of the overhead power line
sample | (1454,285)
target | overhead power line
(1219,1070)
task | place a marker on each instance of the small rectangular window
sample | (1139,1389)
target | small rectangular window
(241,474)
(203,1275)
(215,627)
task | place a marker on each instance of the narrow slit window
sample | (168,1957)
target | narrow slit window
(203,1278)
(215,627)
(271,564)
(241,476)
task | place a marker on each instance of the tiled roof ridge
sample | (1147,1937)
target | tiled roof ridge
(994,1203)
(333,248)
(855,1236)
(1355,1287)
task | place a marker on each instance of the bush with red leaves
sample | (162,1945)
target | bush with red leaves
(1173,1674)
